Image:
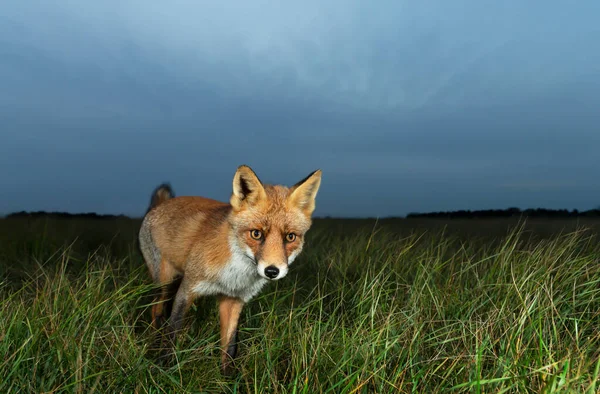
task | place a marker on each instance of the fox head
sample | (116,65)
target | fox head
(270,221)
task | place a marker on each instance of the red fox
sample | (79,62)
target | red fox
(230,250)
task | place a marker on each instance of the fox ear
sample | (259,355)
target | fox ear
(247,188)
(304,192)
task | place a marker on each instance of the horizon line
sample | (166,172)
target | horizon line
(513,210)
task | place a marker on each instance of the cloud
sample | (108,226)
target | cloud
(422,95)
(536,185)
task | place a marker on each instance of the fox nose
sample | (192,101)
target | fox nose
(272,271)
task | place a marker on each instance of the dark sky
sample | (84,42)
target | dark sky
(405,106)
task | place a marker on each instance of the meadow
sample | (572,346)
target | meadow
(388,306)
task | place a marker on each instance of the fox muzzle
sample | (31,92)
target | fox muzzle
(272,271)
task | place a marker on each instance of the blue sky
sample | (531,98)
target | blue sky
(405,105)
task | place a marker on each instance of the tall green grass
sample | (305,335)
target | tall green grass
(364,309)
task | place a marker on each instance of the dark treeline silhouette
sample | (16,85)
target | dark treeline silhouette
(461,214)
(65,215)
(510,212)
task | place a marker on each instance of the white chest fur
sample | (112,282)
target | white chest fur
(239,278)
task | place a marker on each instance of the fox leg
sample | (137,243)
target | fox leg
(229,314)
(166,275)
(181,305)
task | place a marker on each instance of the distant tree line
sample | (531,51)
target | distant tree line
(460,214)
(510,212)
(62,215)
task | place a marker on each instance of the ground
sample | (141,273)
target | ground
(423,305)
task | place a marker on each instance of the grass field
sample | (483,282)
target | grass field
(391,307)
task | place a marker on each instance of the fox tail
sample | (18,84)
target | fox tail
(161,193)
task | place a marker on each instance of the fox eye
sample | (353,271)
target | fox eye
(291,237)
(256,234)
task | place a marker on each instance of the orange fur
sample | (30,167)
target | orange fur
(230,250)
